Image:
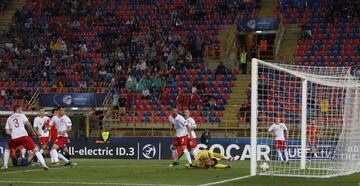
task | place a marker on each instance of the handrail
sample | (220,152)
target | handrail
(279,36)
(107,102)
(108,96)
(115,125)
(112,117)
(33,99)
(230,42)
(46,89)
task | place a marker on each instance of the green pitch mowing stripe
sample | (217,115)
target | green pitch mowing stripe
(125,172)
(80,183)
(154,172)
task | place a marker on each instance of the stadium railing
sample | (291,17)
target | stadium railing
(155,125)
(280,32)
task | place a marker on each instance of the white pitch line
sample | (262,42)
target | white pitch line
(224,181)
(87,183)
(89,166)
(31,170)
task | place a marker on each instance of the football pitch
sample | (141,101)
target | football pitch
(155,172)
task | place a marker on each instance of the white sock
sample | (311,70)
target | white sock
(40,158)
(280,155)
(62,157)
(187,155)
(175,155)
(6,157)
(286,155)
(54,156)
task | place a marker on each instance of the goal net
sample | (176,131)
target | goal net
(319,107)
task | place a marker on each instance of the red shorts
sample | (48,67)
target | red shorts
(43,140)
(61,141)
(312,140)
(191,145)
(179,141)
(25,141)
(280,144)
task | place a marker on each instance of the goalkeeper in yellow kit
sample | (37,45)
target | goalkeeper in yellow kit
(207,159)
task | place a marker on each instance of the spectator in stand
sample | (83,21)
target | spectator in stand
(131,84)
(180,101)
(357,70)
(172,58)
(101,58)
(195,101)
(244,112)
(141,66)
(212,104)
(165,99)
(188,59)
(145,93)
(122,81)
(129,102)
(306,32)
(206,100)
(122,105)
(193,88)
(220,69)
(3,5)
(243,60)
(157,82)
(201,88)
(248,91)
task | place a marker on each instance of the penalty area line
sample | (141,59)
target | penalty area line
(224,181)
(86,166)
(86,183)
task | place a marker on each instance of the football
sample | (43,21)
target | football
(264,166)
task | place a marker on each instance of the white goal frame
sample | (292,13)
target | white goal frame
(305,77)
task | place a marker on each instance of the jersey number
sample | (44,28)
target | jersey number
(16,123)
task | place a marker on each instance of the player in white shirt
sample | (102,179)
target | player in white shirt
(181,128)
(63,126)
(191,134)
(40,123)
(279,129)
(15,126)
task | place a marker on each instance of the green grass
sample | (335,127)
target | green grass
(124,172)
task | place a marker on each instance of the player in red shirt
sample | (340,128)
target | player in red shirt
(52,130)
(191,134)
(312,131)
(15,126)
(181,128)
(40,123)
(63,125)
(280,129)
(20,156)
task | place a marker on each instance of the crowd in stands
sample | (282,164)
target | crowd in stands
(3,5)
(151,51)
(331,31)
(330,38)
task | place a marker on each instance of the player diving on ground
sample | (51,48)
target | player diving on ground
(207,159)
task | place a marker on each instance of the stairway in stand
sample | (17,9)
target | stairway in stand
(289,43)
(238,97)
(6,19)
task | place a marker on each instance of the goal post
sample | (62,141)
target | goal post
(303,123)
(254,112)
(320,109)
